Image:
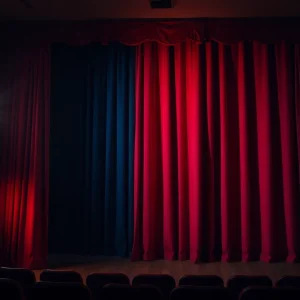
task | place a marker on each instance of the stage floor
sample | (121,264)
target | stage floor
(87,265)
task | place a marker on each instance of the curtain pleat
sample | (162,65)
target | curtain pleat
(216,157)
(92,149)
(24,184)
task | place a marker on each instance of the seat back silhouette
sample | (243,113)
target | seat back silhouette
(201,280)
(257,293)
(96,281)
(122,291)
(60,276)
(60,291)
(199,293)
(165,283)
(25,278)
(289,281)
(238,283)
(269,293)
(287,293)
(10,290)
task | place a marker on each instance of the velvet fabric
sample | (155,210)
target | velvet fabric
(216,152)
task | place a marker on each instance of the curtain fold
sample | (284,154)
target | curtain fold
(92,136)
(216,157)
(24,171)
(297,97)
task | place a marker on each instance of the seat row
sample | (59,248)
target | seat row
(112,286)
(11,290)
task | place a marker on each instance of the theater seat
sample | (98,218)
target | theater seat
(287,293)
(140,292)
(199,293)
(25,278)
(289,281)
(60,276)
(238,283)
(165,283)
(97,281)
(10,290)
(257,293)
(60,291)
(201,280)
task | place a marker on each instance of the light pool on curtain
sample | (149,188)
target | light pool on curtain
(91,149)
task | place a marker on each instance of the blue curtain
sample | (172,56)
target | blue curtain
(91,150)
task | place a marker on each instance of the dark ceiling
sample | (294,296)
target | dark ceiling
(115,9)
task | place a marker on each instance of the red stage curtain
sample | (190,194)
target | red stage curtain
(297,94)
(24,163)
(216,159)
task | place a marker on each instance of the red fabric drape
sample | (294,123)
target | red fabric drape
(24,163)
(297,94)
(216,159)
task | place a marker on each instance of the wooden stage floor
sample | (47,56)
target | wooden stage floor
(87,265)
